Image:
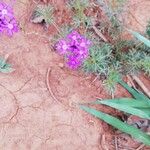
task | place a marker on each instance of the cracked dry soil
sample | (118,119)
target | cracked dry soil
(34,117)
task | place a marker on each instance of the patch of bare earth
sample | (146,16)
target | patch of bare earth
(37,108)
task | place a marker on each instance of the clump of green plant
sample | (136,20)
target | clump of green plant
(111,81)
(79,7)
(139,59)
(138,106)
(43,14)
(99,59)
(119,57)
(109,54)
(5,67)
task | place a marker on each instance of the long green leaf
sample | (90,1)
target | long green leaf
(140,37)
(146,110)
(126,102)
(127,109)
(137,95)
(134,132)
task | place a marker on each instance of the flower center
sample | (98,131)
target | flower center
(83,44)
(64,47)
(74,37)
(81,52)
(4,11)
(10,26)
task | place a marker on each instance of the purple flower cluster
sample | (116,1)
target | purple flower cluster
(7,20)
(75,48)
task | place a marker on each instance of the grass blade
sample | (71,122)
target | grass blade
(140,37)
(135,94)
(134,132)
(126,102)
(146,110)
(127,109)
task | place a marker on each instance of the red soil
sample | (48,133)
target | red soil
(33,117)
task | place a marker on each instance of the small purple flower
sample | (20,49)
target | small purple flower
(12,27)
(82,53)
(75,47)
(74,36)
(73,62)
(62,47)
(5,11)
(7,21)
(85,43)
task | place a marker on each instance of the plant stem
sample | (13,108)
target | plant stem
(100,34)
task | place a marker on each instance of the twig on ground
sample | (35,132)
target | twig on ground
(95,79)
(131,81)
(99,34)
(116,143)
(140,147)
(112,95)
(103,142)
(49,87)
(142,86)
(57,27)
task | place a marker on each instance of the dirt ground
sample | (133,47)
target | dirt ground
(35,116)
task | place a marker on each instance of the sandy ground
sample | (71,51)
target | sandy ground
(33,117)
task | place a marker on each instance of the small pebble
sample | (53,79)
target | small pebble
(61,65)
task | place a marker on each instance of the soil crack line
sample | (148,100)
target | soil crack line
(24,85)
(15,100)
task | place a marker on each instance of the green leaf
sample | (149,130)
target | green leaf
(134,132)
(140,37)
(146,110)
(5,67)
(2,62)
(126,108)
(126,102)
(135,94)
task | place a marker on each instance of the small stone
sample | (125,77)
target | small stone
(61,65)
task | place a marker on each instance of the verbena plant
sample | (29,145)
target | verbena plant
(114,56)
(138,106)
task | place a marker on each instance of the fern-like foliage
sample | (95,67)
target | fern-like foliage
(132,61)
(112,7)
(112,80)
(112,10)
(145,64)
(5,67)
(43,14)
(135,61)
(99,59)
(79,7)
